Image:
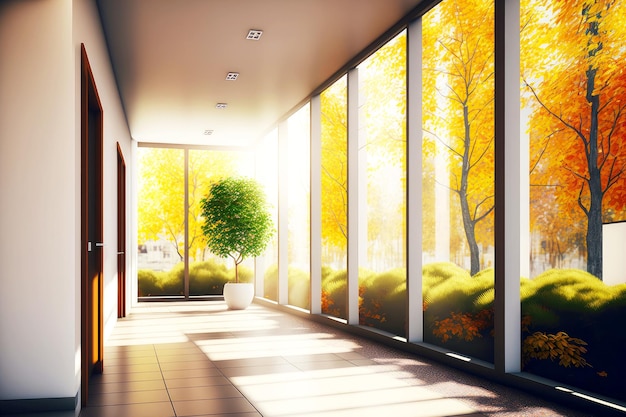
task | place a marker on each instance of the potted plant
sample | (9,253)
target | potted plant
(237,224)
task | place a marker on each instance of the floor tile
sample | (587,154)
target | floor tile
(191,373)
(122,377)
(125,360)
(204,393)
(129,397)
(126,386)
(259,370)
(189,357)
(213,407)
(163,409)
(131,367)
(186,365)
(197,382)
(200,359)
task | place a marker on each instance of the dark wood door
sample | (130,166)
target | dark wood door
(92,245)
(121,234)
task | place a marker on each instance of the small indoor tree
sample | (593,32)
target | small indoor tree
(237,220)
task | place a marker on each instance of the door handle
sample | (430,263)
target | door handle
(98,245)
(120,253)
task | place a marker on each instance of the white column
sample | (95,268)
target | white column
(315,198)
(283,211)
(415,314)
(511,188)
(353,197)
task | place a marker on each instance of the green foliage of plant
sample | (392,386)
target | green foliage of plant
(299,283)
(208,278)
(382,300)
(270,283)
(205,278)
(446,284)
(558,293)
(334,288)
(237,220)
(458,311)
(154,283)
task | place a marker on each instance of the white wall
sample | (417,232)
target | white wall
(614,253)
(87,30)
(40,191)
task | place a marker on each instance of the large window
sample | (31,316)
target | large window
(334,192)
(458,176)
(298,193)
(267,173)
(173,260)
(573,109)
(382,187)
(161,221)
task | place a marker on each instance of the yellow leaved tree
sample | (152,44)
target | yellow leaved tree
(575,87)
(458,106)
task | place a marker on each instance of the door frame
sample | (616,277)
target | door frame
(121,233)
(92,328)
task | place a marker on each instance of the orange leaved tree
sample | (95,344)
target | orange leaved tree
(575,86)
(458,89)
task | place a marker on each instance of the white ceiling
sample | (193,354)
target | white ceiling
(171,58)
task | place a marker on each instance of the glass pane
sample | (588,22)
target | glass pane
(207,272)
(573,95)
(334,204)
(382,147)
(267,173)
(458,176)
(160,221)
(298,144)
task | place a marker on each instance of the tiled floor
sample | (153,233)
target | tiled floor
(200,359)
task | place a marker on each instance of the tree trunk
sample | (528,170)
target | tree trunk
(468,222)
(594,213)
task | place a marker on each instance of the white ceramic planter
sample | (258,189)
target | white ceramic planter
(238,296)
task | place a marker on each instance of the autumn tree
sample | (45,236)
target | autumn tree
(382,102)
(572,54)
(334,158)
(458,89)
(161,195)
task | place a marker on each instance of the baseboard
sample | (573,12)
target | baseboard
(37,405)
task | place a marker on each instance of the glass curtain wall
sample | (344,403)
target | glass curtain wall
(267,173)
(207,272)
(572,282)
(173,260)
(573,112)
(161,220)
(298,197)
(334,193)
(382,187)
(458,176)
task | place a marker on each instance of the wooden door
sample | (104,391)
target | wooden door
(121,234)
(92,245)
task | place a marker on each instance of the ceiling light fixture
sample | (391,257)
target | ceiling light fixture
(208,132)
(232,76)
(254,34)
(221,105)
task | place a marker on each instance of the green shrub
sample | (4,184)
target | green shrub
(208,278)
(158,283)
(334,287)
(299,287)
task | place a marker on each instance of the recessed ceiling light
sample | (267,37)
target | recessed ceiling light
(254,34)
(221,105)
(208,132)
(232,76)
